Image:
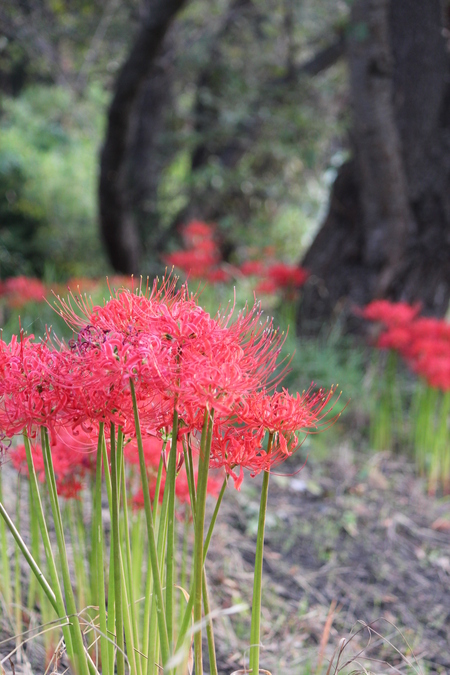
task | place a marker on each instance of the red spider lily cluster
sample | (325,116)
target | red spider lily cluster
(17,291)
(284,278)
(275,276)
(178,358)
(423,342)
(201,258)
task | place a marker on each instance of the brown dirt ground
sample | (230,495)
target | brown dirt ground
(356,533)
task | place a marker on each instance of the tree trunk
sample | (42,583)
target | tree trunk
(387,232)
(118,230)
(148,155)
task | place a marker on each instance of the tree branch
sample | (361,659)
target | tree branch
(324,59)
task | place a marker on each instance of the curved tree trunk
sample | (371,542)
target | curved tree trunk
(118,230)
(148,154)
(387,232)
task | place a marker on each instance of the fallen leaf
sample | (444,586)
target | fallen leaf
(377,480)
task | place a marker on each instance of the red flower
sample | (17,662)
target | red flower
(396,337)
(282,277)
(251,268)
(202,256)
(175,352)
(73,457)
(177,356)
(20,290)
(281,415)
(29,385)
(217,275)
(423,342)
(390,313)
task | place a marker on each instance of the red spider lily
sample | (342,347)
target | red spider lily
(196,231)
(423,342)
(196,263)
(285,413)
(123,281)
(20,290)
(217,275)
(177,356)
(430,328)
(201,258)
(267,287)
(396,337)
(282,277)
(251,268)
(281,415)
(29,392)
(435,368)
(287,276)
(73,457)
(390,313)
(172,349)
(240,448)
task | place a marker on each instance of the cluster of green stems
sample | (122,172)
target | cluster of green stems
(140,635)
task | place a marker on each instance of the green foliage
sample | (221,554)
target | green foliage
(48,167)
(245,140)
(327,359)
(258,132)
(20,221)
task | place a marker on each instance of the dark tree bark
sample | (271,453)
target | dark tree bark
(387,232)
(118,230)
(148,154)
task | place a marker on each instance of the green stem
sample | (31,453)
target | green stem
(149,581)
(184,552)
(78,644)
(191,478)
(214,516)
(209,627)
(120,659)
(29,558)
(137,561)
(161,524)
(128,579)
(170,562)
(78,557)
(58,601)
(98,550)
(190,604)
(93,553)
(17,584)
(157,585)
(255,631)
(5,579)
(111,619)
(34,533)
(202,484)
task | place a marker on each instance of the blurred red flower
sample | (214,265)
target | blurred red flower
(20,290)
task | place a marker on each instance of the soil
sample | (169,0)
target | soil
(351,541)
(355,539)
